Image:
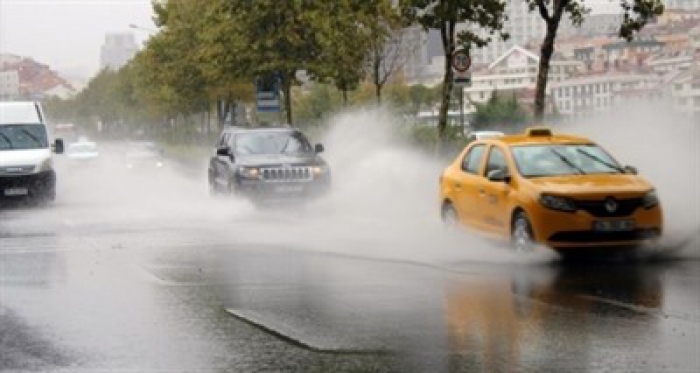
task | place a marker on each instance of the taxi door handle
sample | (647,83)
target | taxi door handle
(482,192)
(458,186)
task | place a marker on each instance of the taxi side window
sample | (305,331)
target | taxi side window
(472,161)
(496,161)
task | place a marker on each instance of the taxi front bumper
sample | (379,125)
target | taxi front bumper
(581,229)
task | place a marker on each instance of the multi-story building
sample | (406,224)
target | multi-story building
(117,50)
(9,85)
(513,71)
(684,91)
(682,4)
(523,26)
(669,61)
(587,94)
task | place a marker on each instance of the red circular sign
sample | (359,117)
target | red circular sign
(461,61)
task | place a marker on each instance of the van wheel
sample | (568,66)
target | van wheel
(522,238)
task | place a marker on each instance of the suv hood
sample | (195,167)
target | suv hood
(29,157)
(621,185)
(277,159)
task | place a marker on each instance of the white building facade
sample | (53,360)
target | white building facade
(515,70)
(9,85)
(682,4)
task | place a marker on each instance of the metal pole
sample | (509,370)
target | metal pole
(461,110)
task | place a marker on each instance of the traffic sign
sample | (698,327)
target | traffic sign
(461,61)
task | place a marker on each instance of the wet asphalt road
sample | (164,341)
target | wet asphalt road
(138,270)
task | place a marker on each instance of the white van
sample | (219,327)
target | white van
(26,168)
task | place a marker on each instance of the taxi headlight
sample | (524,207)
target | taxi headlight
(651,199)
(249,172)
(558,203)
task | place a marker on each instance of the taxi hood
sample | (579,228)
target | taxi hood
(622,185)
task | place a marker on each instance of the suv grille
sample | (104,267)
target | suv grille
(285,174)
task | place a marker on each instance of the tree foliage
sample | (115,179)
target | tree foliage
(482,20)
(504,113)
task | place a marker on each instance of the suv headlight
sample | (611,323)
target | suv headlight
(249,172)
(651,199)
(558,203)
(320,169)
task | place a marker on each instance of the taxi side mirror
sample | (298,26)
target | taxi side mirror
(631,170)
(498,176)
(319,148)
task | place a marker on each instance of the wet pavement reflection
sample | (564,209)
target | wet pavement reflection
(139,277)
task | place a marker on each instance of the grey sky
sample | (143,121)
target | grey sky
(67,34)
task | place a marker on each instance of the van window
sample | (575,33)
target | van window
(23,136)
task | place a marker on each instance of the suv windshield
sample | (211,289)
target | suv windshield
(272,142)
(23,136)
(563,159)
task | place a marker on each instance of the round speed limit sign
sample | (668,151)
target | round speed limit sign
(461,61)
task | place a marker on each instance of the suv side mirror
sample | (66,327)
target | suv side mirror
(223,151)
(631,170)
(498,176)
(319,148)
(58,146)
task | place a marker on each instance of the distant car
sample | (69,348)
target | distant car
(560,191)
(267,164)
(143,155)
(83,151)
(483,135)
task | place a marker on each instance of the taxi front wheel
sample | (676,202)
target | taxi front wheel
(522,237)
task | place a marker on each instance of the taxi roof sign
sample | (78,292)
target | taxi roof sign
(538,132)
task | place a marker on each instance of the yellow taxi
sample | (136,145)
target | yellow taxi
(556,190)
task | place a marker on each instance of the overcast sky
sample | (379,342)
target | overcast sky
(67,34)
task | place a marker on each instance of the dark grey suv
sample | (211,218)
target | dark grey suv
(267,164)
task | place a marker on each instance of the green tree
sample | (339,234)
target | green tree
(341,38)
(636,13)
(483,20)
(499,113)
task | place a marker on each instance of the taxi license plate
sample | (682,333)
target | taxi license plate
(16,191)
(613,225)
(289,189)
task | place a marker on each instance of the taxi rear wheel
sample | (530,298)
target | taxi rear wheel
(522,237)
(449,215)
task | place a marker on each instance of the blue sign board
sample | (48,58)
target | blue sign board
(267,94)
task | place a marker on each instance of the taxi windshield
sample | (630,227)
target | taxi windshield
(563,159)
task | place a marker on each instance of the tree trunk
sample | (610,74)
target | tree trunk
(447,32)
(287,87)
(378,92)
(345,96)
(445,104)
(546,53)
(222,108)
